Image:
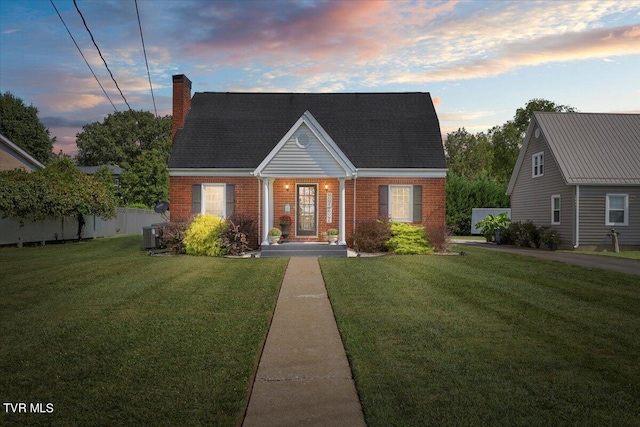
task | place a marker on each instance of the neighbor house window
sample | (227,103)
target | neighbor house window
(214,199)
(555,210)
(617,209)
(537,164)
(400,202)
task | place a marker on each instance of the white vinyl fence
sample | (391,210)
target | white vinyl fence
(478,214)
(127,221)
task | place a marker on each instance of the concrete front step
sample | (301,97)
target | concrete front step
(289,249)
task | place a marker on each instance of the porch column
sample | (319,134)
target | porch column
(343,228)
(266,218)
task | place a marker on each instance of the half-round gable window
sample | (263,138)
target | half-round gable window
(303,140)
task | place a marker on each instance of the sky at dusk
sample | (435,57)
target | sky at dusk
(480,60)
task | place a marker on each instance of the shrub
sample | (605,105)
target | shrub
(438,237)
(550,238)
(372,235)
(172,235)
(408,239)
(332,232)
(203,237)
(523,234)
(240,232)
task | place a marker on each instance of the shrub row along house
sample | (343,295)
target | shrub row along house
(327,160)
(580,174)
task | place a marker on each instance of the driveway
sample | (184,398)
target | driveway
(622,265)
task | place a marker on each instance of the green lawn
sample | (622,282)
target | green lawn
(111,336)
(488,339)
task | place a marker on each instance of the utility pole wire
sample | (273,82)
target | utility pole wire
(100,53)
(144,50)
(83,57)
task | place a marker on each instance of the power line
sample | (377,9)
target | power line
(100,53)
(83,57)
(145,60)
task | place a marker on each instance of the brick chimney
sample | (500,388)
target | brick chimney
(181,101)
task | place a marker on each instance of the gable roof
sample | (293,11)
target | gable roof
(323,158)
(590,148)
(18,154)
(373,130)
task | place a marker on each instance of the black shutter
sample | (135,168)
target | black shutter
(383,202)
(417,203)
(196,197)
(231,200)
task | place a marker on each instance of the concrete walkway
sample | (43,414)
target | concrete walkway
(622,265)
(303,377)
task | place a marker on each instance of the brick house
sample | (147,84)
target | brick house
(328,160)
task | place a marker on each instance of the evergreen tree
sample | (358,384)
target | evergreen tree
(21,125)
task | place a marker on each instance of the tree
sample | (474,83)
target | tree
(122,137)
(21,125)
(57,191)
(468,155)
(147,181)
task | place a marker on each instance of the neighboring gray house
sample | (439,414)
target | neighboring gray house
(116,171)
(580,174)
(14,157)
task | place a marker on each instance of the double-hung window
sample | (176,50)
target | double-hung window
(537,165)
(215,199)
(555,210)
(617,212)
(400,201)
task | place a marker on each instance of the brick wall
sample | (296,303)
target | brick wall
(367,190)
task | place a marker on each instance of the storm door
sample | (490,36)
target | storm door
(307,210)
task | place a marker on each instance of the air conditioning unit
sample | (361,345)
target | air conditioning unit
(150,237)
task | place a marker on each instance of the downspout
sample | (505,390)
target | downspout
(577,217)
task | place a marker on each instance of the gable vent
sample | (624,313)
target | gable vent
(303,140)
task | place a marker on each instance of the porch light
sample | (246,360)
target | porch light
(326,187)
(286,187)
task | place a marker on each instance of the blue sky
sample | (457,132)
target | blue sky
(480,60)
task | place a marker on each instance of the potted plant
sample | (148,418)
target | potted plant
(274,235)
(332,236)
(285,223)
(493,225)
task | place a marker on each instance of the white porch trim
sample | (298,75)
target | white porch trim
(267,196)
(343,226)
(401,173)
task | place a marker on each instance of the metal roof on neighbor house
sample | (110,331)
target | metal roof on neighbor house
(594,148)
(373,130)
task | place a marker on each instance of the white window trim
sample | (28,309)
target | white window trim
(203,202)
(390,198)
(626,209)
(540,156)
(553,198)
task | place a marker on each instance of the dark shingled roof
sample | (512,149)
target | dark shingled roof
(374,130)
